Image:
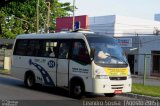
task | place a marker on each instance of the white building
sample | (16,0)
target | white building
(137,47)
(120,25)
(138,38)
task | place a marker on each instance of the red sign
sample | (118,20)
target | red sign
(65,23)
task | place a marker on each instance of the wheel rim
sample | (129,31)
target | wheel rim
(77,90)
(30,81)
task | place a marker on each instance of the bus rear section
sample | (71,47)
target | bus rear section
(33,60)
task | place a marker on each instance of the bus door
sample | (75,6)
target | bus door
(63,63)
(80,63)
(45,61)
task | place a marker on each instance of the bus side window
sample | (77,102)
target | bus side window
(80,52)
(48,48)
(52,49)
(64,50)
(20,47)
(33,48)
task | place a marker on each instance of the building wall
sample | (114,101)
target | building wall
(65,23)
(102,24)
(121,25)
(147,45)
(157,17)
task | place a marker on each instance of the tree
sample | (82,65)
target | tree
(19,16)
(59,10)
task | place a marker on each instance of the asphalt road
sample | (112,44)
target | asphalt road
(13,89)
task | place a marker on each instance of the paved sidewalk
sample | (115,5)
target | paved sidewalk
(153,81)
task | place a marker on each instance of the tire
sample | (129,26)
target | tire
(110,94)
(29,81)
(77,90)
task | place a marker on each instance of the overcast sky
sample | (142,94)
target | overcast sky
(134,8)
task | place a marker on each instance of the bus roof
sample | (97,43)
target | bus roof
(51,35)
(64,35)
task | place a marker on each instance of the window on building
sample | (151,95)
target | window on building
(156,61)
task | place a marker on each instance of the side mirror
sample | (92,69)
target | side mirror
(92,53)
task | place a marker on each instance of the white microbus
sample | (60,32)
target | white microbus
(80,62)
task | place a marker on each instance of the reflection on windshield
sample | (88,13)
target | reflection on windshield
(102,55)
(107,50)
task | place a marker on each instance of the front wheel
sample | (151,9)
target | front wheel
(110,94)
(77,90)
(29,81)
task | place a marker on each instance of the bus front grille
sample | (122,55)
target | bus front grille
(118,78)
(120,86)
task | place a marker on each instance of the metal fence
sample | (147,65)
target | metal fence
(145,68)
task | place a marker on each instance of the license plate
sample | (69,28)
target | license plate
(117,91)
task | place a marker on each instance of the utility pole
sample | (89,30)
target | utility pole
(145,64)
(48,17)
(73,15)
(37,9)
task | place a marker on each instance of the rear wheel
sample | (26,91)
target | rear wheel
(77,90)
(29,81)
(110,94)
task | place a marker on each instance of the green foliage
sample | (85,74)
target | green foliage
(19,16)
(59,10)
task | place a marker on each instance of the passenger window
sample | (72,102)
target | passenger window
(36,47)
(20,47)
(52,49)
(33,48)
(64,48)
(80,52)
(48,48)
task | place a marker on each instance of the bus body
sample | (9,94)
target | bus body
(70,60)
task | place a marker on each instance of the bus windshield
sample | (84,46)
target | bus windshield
(107,50)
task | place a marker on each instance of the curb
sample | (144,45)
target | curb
(143,97)
(2,73)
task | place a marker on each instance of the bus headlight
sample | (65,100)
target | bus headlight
(101,77)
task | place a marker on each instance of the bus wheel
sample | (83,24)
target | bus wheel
(110,94)
(77,90)
(29,81)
